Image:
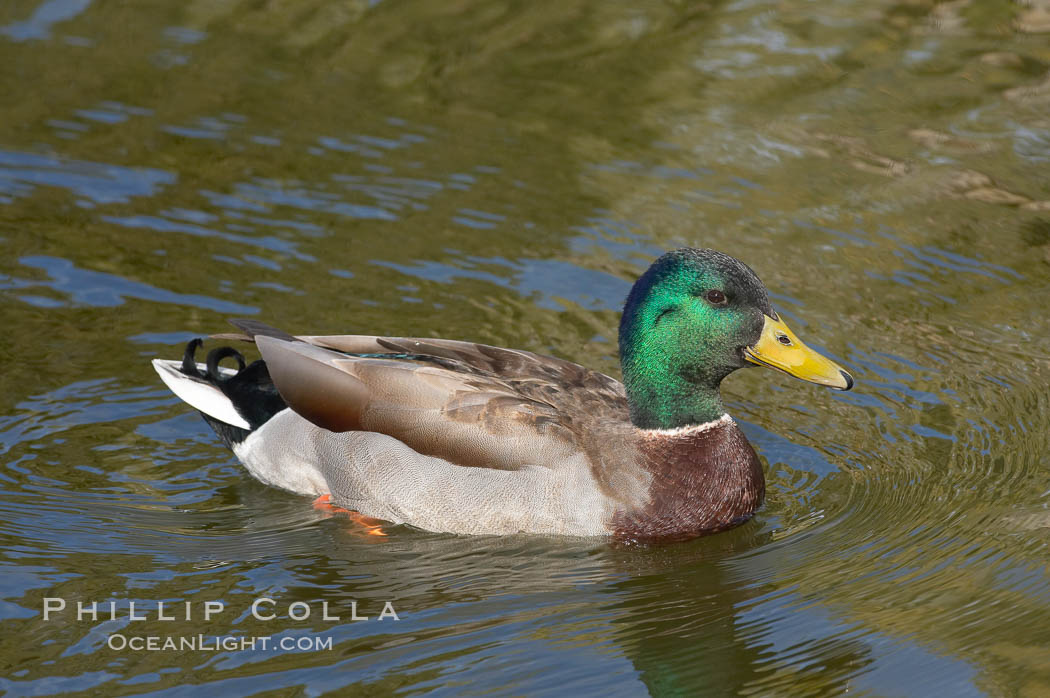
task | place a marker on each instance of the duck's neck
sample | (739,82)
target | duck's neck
(663,397)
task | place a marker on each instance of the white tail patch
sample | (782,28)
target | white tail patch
(200,394)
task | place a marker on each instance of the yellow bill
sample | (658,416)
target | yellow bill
(779,348)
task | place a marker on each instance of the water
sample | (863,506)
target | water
(501,172)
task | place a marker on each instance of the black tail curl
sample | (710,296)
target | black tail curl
(189,358)
(250,389)
(215,356)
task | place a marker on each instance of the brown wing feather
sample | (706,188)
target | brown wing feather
(564,385)
(466,416)
(467,356)
(472,404)
(495,361)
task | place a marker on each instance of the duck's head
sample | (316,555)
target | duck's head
(692,319)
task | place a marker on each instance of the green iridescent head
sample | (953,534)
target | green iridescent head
(693,318)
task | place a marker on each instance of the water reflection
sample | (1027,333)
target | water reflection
(97,183)
(46,15)
(86,287)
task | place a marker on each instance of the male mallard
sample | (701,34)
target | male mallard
(469,438)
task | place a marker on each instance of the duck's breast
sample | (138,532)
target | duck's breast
(702,480)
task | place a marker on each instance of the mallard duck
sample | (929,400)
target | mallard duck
(468,438)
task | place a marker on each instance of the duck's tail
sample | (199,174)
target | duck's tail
(235,402)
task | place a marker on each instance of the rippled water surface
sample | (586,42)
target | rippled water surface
(500,172)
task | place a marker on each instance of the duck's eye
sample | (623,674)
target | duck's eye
(715,297)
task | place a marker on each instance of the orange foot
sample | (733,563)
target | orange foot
(372,527)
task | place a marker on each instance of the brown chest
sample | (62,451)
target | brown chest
(701,482)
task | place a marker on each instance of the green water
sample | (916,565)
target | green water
(501,172)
